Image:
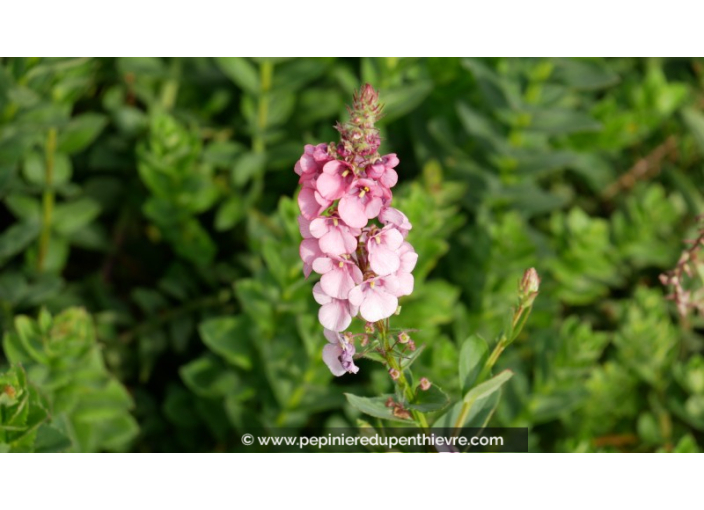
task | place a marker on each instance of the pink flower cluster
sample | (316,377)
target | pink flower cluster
(352,236)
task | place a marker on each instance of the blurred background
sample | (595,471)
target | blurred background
(150,284)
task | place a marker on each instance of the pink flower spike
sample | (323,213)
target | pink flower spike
(334,314)
(374,300)
(338,354)
(336,238)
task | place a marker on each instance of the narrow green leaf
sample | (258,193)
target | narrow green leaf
(375,406)
(488,387)
(241,71)
(473,354)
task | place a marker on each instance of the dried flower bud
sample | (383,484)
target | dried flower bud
(400,412)
(9,391)
(424,384)
(390,402)
(364,340)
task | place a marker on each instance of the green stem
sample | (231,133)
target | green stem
(266,74)
(520,316)
(47,199)
(402,382)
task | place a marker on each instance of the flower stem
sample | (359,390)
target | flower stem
(47,199)
(401,382)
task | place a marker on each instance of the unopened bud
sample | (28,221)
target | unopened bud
(412,345)
(369,328)
(403,337)
(394,373)
(364,340)
(424,384)
(528,288)
(390,402)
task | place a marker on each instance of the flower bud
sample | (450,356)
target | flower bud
(424,384)
(394,373)
(528,288)
(369,328)
(412,345)
(403,337)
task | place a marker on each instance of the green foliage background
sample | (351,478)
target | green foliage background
(151,294)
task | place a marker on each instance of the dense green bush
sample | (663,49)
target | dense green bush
(151,292)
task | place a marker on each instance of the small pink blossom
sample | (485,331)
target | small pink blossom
(335,238)
(338,354)
(383,171)
(361,203)
(374,299)
(340,275)
(311,202)
(336,178)
(382,247)
(334,314)
(391,216)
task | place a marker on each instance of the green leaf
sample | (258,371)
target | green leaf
(229,213)
(247,166)
(431,400)
(585,75)
(227,336)
(241,71)
(80,132)
(560,122)
(473,355)
(34,169)
(208,377)
(479,414)
(401,101)
(488,387)
(72,216)
(375,406)
(17,238)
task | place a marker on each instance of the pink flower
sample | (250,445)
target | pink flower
(309,251)
(383,171)
(335,179)
(338,354)
(312,161)
(391,216)
(340,275)
(375,299)
(335,237)
(334,314)
(382,246)
(311,202)
(361,203)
